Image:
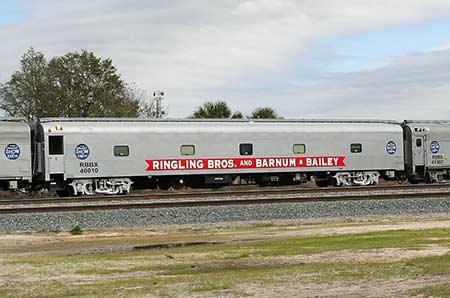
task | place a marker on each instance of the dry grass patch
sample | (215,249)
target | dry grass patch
(254,261)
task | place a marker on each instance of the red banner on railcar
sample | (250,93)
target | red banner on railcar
(245,163)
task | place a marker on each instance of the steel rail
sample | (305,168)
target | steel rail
(181,204)
(219,193)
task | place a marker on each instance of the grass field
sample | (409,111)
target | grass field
(259,260)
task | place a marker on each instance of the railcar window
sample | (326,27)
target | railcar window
(55,145)
(418,142)
(187,150)
(299,148)
(356,148)
(246,149)
(121,151)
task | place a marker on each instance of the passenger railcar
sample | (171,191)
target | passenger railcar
(110,156)
(427,150)
(15,158)
(87,156)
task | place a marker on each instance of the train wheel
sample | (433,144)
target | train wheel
(164,184)
(177,183)
(428,179)
(67,192)
(413,181)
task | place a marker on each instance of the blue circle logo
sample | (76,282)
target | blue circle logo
(12,151)
(391,147)
(434,147)
(82,151)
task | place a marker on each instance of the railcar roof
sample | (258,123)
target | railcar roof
(241,127)
(434,126)
(428,121)
(13,119)
(45,120)
(14,128)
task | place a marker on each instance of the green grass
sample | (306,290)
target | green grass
(100,271)
(300,246)
(167,272)
(76,230)
(209,287)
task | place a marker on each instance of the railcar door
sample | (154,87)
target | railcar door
(56,155)
(419,155)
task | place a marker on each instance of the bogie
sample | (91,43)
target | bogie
(111,186)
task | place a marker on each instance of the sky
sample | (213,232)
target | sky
(384,59)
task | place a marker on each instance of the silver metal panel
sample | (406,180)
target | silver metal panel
(149,140)
(56,164)
(15,150)
(436,147)
(184,120)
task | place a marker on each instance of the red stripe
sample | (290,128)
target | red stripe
(244,163)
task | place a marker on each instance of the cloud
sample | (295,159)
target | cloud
(415,86)
(245,52)
(440,48)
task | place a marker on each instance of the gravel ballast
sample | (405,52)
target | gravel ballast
(216,214)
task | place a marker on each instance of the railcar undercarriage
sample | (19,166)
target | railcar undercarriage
(359,178)
(219,180)
(356,178)
(112,186)
(439,176)
(116,186)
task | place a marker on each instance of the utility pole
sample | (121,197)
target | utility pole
(158,96)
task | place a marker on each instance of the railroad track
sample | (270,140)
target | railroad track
(154,204)
(218,193)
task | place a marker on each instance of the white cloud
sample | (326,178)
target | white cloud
(417,86)
(205,50)
(443,47)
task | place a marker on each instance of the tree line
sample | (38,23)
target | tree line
(220,109)
(80,84)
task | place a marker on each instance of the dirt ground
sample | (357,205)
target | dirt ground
(45,245)
(237,231)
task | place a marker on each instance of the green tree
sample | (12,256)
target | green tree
(237,115)
(25,94)
(87,86)
(264,113)
(218,109)
(77,84)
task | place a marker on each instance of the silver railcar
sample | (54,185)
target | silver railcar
(87,156)
(427,150)
(15,155)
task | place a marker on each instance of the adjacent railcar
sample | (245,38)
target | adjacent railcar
(427,150)
(15,155)
(87,156)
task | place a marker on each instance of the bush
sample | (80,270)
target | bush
(76,230)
